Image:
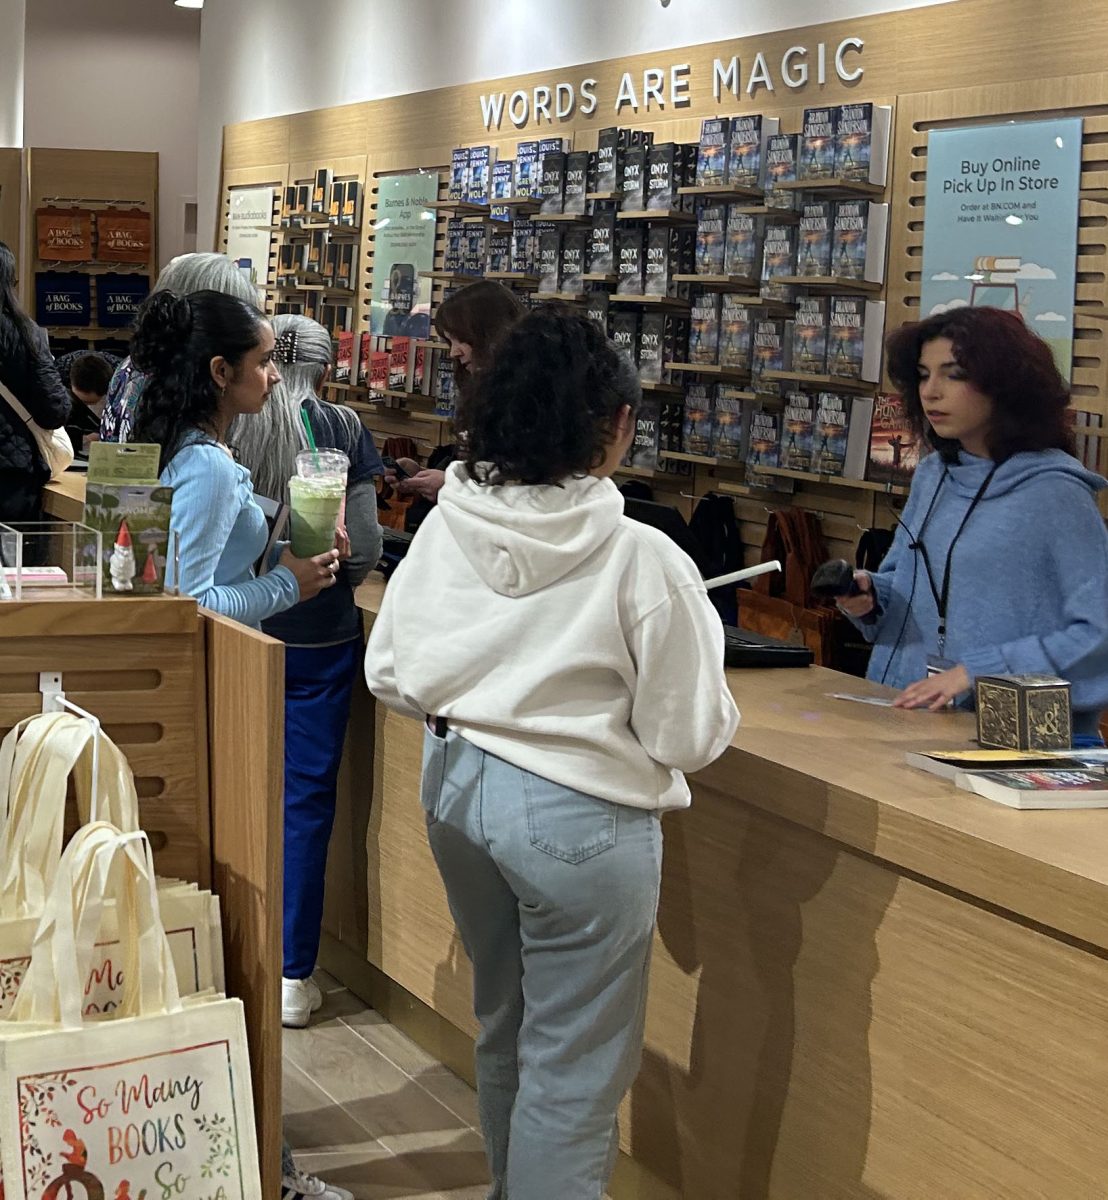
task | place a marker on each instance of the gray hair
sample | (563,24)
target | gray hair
(268,442)
(206,272)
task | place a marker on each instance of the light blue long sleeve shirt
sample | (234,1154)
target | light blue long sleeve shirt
(221,533)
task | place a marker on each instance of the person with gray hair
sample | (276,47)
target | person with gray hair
(184,275)
(322,636)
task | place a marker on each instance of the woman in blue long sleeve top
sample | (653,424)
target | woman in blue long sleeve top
(209,359)
(1000,563)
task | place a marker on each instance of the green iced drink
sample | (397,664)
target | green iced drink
(314,505)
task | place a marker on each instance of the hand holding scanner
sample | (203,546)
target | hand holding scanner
(835,579)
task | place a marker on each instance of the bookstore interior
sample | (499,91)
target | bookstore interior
(853,290)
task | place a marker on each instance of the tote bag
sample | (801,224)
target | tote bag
(54,444)
(154,1097)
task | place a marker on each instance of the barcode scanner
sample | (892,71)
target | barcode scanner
(835,579)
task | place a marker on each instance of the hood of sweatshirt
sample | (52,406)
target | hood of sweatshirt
(969,472)
(520,538)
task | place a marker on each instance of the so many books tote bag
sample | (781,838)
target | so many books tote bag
(152,1099)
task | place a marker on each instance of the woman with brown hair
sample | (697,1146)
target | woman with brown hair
(471,321)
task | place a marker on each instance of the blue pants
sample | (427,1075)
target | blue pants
(319,683)
(554,893)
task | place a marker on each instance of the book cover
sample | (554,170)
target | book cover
(503,172)
(661,247)
(809,335)
(814,243)
(549,260)
(321,192)
(478,175)
(645,447)
(303,202)
(576,181)
(652,336)
(365,348)
(671,430)
(498,257)
(849,238)
(632,255)
(661,177)
(609,159)
(832,426)
(862,143)
(736,333)
(443,386)
(338,198)
(698,425)
(602,244)
(846,336)
(893,448)
(288,205)
(399,352)
(344,356)
(1044,788)
(378,371)
(597,308)
(459,172)
(778,260)
(527,169)
(768,345)
(552,188)
(634,179)
(455,243)
(553,145)
(711,226)
(352,204)
(797,432)
(743,247)
(591,176)
(625,333)
(765,437)
(816,154)
(731,423)
(317,247)
(473,250)
(714,151)
(574,242)
(704,329)
(744,167)
(523,250)
(781,151)
(640,137)
(344,271)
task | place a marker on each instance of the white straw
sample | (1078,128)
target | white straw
(746,573)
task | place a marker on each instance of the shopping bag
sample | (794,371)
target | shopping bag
(154,1097)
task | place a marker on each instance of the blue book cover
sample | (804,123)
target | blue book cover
(704,329)
(713,152)
(781,151)
(741,256)
(854,142)
(765,436)
(797,430)
(846,336)
(710,235)
(736,333)
(731,422)
(816,153)
(697,427)
(832,427)
(527,169)
(810,335)
(459,173)
(848,239)
(778,261)
(813,250)
(744,167)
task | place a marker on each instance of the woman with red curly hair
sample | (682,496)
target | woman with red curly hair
(1000,565)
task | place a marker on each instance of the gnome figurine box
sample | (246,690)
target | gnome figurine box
(125,502)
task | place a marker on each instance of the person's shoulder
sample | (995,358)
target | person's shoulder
(207,459)
(656,550)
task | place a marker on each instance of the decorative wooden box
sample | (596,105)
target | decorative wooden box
(1023,712)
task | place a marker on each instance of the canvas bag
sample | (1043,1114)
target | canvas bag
(53,444)
(36,759)
(154,1098)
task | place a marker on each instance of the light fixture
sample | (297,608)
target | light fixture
(189,3)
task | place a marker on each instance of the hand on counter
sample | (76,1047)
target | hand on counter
(935,692)
(863,604)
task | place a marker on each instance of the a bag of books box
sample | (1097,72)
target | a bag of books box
(152,1097)
(37,760)
(118,299)
(63,234)
(63,298)
(123,235)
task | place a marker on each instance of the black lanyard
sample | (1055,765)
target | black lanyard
(942,594)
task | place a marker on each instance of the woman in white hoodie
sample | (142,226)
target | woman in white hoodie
(569,667)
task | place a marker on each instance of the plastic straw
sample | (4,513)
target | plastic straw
(308,430)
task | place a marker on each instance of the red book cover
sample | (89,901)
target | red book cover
(363,358)
(344,357)
(379,371)
(398,362)
(893,450)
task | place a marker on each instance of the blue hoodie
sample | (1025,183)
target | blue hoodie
(1028,577)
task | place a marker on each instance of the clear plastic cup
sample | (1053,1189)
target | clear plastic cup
(317,500)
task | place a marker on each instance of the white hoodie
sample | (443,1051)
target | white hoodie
(559,635)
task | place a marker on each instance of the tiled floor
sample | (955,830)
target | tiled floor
(368,1109)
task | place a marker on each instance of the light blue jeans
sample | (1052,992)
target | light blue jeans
(554,894)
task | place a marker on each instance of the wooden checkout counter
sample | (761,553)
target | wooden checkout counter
(866,983)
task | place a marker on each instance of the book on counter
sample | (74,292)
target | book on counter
(855,329)
(625,333)
(713,152)
(574,242)
(602,244)
(862,143)
(527,169)
(731,423)
(893,448)
(770,345)
(742,252)
(704,328)
(814,244)
(711,229)
(858,239)
(1071,787)
(697,425)
(816,151)
(645,447)
(765,439)
(829,441)
(747,160)
(631,244)
(611,144)
(781,151)
(576,182)
(478,173)
(778,260)
(948,763)
(553,185)
(633,184)
(809,335)
(549,260)
(459,173)
(797,432)
(662,170)
(736,333)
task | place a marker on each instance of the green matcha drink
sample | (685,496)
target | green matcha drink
(315,505)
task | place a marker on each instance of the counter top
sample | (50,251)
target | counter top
(64,498)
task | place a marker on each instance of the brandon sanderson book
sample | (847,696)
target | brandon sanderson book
(810,335)
(854,142)
(704,329)
(696,434)
(797,431)
(744,167)
(781,151)
(778,261)
(813,251)
(711,161)
(846,336)
(816,153)
(731,422)
(893,449)
(765,429)
(832,427)
(710,234)
(848,239)
(736,332)
(741,254)
(769,345)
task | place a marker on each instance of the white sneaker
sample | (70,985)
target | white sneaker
(302,1186)
(299,999)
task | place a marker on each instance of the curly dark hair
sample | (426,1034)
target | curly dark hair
(1003,359)
(545,408)
(479,314)
(175,340)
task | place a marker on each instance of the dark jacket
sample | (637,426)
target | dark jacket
(34,381)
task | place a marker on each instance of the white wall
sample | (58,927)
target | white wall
(12,13)
(262,58)
(118,75)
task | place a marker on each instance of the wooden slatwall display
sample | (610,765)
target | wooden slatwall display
(11,199)
(266,175)
(1084,96)
(97,180)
